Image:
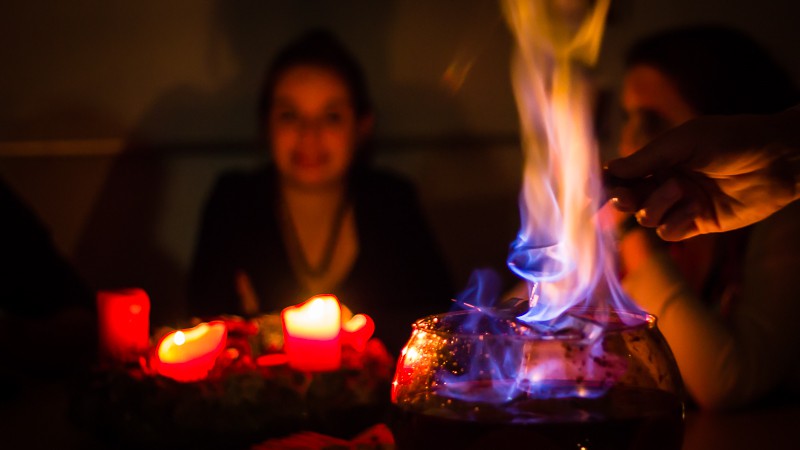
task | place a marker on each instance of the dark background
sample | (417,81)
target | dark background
(115,117)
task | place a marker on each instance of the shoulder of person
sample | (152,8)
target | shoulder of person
(17,215)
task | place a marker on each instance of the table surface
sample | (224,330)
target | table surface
(38,418)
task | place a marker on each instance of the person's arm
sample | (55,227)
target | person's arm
(728,362)
(711,174)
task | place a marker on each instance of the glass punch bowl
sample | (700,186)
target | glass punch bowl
(591,381)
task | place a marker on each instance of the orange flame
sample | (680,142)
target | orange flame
(559,246)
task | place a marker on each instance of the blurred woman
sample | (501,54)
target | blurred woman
(727,303)
(318,218)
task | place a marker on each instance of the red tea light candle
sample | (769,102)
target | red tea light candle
(357,331)
(123,318)
(188,355)
(311,334)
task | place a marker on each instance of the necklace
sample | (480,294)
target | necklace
(295,248)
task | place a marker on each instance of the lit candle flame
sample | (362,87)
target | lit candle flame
(311,334)
(320,318)
(190,354)
(356,323)
(179,338)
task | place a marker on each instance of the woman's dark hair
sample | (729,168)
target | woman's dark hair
(718,70)
(319,48)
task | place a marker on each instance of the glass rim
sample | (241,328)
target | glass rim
(642,320)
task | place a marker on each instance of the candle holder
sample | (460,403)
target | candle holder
(473,380)
(227,383)
(311,332)
(123,324)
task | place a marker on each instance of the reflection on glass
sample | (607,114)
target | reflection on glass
(504,383)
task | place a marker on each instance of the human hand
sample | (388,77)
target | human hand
(710,174)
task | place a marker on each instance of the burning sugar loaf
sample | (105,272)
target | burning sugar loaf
(575,364)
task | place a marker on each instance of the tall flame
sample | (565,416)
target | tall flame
(560,250)
(529,348)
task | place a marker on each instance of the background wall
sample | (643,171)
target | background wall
(188,71)
(116,117)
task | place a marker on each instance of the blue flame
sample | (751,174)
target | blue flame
(483,289)
(562,251)
(537,264)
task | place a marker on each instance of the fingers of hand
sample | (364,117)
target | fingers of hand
(624,168)
(680,224)
(629,195)
(623,199)
(659,202)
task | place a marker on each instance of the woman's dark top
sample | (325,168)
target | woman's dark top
(397,277)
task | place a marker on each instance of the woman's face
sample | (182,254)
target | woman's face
(313,127)
(652,105)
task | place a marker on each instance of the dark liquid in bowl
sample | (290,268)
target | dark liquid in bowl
(623,419)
